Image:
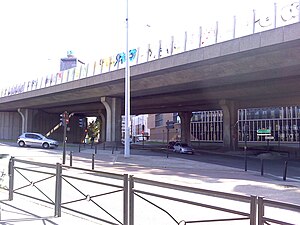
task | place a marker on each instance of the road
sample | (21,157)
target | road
(273,166)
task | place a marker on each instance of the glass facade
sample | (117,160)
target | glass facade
(284,123)
(207,126)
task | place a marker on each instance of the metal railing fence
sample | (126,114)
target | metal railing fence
(70,190)
(135,191)
(263,219)
(240,215)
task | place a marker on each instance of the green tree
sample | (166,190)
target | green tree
(93,129)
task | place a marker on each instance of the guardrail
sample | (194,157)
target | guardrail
(278,16)
(69,192)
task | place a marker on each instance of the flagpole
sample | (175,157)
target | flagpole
(127,93)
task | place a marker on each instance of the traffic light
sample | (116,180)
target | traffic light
(64,118)
(81,122)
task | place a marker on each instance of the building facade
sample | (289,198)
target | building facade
(207,126)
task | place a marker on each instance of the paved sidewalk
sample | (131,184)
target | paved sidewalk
(171,170)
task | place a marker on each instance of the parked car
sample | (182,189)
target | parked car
(183,148)
(171,144)
(36,140)
(123,141)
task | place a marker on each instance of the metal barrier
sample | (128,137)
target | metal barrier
(263,203)
(240,215)
(77,190)
(68,191)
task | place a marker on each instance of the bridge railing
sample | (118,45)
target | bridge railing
(280,14)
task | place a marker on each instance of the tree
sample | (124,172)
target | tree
(93,129)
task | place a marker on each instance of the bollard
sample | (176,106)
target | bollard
(71,158)
(262,167)
(96,149)
(79,147)
(246,158)
(285,170)
(93,161)
(103,145)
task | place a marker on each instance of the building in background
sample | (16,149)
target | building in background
(207,126)
(138,127)
(159,131)
(69,62)
(140,130)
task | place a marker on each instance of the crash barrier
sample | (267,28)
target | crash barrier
(129,200)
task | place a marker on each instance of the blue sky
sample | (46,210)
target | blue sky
(35,34)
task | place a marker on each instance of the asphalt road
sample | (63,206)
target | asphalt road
(271,166)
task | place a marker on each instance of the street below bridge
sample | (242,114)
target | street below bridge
(270,164)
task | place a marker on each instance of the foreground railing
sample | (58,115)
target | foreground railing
(176,218)
(281,14)
(264,203)
(122,200)
(64,188)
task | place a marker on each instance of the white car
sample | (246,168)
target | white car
(36,140)
(183,148)
(123,141)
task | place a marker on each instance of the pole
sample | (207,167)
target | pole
(127,92)
(246,129)
(64,143)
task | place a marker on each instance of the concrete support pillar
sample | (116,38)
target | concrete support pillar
(113,119)
(27,116)
(185,118)
(230,129)
(102,126)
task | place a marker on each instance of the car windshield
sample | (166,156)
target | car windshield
(184,145)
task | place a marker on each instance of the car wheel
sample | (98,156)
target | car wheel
(21,143)
(45,145)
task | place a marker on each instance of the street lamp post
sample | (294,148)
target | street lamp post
(127,93)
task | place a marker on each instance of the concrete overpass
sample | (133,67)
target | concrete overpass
(257,70)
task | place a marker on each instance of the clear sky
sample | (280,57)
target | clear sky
(35,34)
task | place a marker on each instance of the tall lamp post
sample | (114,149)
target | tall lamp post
(127,93)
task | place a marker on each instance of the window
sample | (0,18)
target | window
(158,120)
